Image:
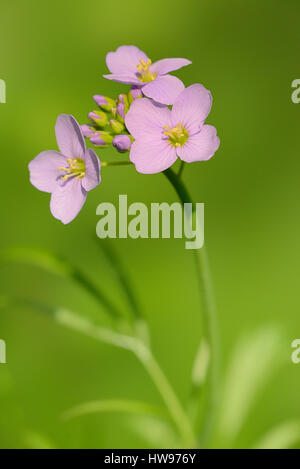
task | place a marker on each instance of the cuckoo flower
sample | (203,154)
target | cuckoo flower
(162,135)
(68,175)
(131,66)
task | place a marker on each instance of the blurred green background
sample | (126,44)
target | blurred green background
(247,54)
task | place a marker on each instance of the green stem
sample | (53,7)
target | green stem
(179,187)
(179,174)
(79,277)
(210,317)
(115,163)
(145,356)
(122,276)
(174,406)
(212,332)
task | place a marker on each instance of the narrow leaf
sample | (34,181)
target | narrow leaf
(284,436)
(34,440)
(122,277)
(114,406)
(56,264)
(252,365)
(201,364)
(157,433)
(81,324)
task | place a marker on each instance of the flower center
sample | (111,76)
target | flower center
(76,169)
(177,135)
(144,73)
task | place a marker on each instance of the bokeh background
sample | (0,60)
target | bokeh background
(247,54)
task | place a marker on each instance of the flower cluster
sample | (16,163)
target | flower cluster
(158,121)
(108,122)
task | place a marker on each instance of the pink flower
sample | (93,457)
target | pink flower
(162,135)
(68,175)
(131,66)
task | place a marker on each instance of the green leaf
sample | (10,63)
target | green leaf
(201,364)
(252,365)
(114,406)
(56,264)
(284,436)
(157,433)
(122,276)
(198,379)
(48,261)
(81,324)
(34,440)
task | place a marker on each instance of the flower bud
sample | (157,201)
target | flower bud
(133,94)
(122,107)
(122,143)
(101,138)
(104,102)
(116,126)
(121,112)
(87,130)
(98,117)
(122,98)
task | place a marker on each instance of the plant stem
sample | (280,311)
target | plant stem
(145,356)
(210,317)
(179,187)
(115,163)
(179,174)
(104,301)
(174,406)
(212,333)
(122,276)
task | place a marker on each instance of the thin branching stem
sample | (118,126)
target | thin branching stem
(146,357)
(210,319)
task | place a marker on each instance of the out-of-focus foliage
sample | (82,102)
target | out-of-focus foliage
(247,53)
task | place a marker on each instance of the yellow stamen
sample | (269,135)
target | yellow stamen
(144,71)
(76,169)
(177,135)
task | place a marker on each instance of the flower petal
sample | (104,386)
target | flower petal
(161,67)
(44,170)
(192,107)
(125,60)
(69,136)
(67,200)
(92,176)
(125,79)
(200,147)
(146,118)
(164,89)
(152,156)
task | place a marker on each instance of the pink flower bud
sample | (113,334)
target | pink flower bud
(87,130)
(122,143)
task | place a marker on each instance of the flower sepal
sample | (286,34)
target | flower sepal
(117,127)
(104,102)
(99,118)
